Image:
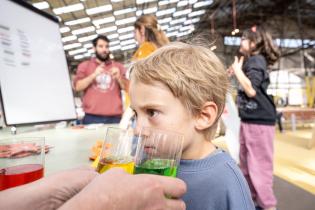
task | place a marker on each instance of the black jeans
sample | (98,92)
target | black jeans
(91,118)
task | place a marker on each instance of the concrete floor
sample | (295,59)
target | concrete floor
(291,197)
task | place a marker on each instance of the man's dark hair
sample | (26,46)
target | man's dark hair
(102,37)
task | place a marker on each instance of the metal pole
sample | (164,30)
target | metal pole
(300,26)
(234,14)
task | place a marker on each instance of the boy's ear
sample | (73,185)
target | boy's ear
(206,116)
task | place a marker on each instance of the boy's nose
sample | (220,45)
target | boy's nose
(137,130)
(139,126)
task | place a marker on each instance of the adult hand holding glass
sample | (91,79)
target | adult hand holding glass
(84,188)
(116,189)
(47,193)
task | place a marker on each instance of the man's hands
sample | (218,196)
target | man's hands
(99,69)
(83,188)
(67,184)
(123,83)
(47,193)
(115,189)
(87,81)
(115,72)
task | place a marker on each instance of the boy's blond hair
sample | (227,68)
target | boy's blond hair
(194,75)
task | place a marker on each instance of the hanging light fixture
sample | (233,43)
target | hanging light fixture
(235,29)
(212,23)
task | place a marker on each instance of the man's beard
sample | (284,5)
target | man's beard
(101,57)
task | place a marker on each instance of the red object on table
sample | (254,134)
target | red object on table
(20,150)
(19,175)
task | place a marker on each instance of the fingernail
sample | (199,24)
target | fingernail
(183,206)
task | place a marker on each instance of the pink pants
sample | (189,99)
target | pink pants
(256,161)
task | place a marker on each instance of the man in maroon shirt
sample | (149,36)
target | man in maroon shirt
(102,80)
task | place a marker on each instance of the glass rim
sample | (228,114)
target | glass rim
(12,140)
(167,131)
(162,130)
(176,144)
(113,127)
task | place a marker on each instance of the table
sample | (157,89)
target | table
(71,146)
(303,114)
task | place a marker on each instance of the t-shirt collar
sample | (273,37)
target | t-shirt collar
(107,63)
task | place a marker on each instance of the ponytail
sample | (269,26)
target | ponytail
(156,36)
(152,32)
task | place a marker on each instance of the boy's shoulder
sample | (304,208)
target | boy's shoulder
(217,182)
(215,163)
(226,169)
(218,169)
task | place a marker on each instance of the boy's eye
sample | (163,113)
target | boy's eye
(134,115)
(152,112)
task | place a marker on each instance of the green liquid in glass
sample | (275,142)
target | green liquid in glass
(158,167)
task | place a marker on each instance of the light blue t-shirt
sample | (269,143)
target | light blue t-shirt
(215,183)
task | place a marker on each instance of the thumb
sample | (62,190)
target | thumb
(241,60)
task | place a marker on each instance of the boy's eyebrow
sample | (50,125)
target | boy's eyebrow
(146,106)
(151,106)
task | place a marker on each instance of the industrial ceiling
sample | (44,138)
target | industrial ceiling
(82,20)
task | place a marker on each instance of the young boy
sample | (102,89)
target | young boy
(182,87)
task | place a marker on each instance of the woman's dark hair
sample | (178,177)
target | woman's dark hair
(152,32)
(102,37)
(263,42)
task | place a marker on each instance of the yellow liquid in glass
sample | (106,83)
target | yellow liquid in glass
(108,163)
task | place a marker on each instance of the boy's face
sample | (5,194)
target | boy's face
(156,107)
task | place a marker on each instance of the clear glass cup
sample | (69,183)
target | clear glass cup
(21,161)
(158,152)
(118,150)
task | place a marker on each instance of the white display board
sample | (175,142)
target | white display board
(34,78)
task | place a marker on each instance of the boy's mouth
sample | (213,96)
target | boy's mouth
(150,149)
